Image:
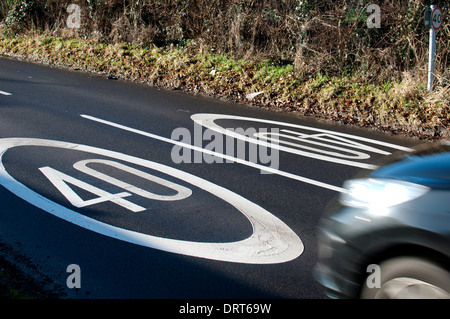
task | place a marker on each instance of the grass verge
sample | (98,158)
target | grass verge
(400,106)
(21,279)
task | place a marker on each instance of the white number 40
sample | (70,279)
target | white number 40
(61,181)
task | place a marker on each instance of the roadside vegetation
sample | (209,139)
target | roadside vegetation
(21,279)
(313,57)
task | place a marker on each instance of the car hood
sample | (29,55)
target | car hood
(427,165)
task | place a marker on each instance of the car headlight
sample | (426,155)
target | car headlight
(379,194)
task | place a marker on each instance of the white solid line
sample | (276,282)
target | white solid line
(226,157)
(5,93)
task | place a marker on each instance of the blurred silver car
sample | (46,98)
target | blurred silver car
(388,236)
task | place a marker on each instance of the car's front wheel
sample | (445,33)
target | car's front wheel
(409,278)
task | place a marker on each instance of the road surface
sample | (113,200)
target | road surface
(119,190)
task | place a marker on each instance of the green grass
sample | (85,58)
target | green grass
(394,105)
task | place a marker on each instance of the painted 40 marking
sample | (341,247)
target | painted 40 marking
(272,241)
(61,180)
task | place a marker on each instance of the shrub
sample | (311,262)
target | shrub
(315,36)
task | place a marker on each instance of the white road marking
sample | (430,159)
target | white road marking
(272,241)
(207,120)
(181,191)
(5,93)
(331,138)
(351,154)
(59,179)
(212,153)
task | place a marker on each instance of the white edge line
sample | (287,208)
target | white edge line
(226,157)
(5,93)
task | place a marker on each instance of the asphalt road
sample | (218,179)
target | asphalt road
(138,187)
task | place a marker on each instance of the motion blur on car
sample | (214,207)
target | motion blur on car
(388,235)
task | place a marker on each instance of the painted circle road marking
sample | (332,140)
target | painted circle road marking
(272,241)
(334,141)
